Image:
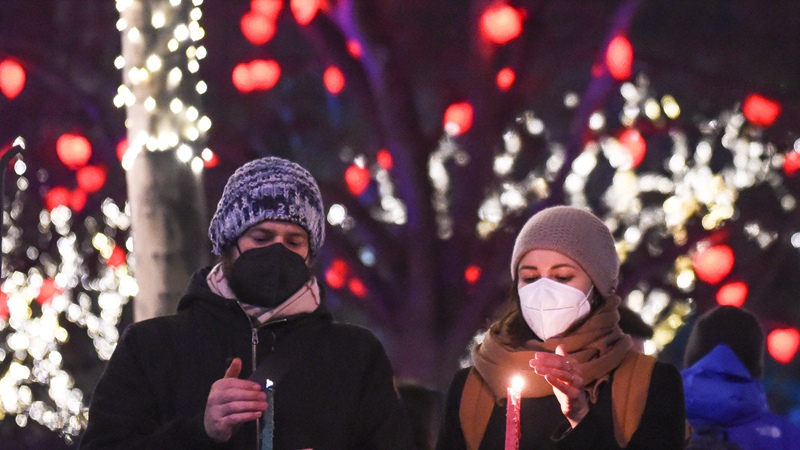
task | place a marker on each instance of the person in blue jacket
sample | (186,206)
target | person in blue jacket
(724,396)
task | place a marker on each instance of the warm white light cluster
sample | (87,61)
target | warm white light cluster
(338,217)
(390,208)
(513,196)
(440,180)
(690,187)
(34,327)
(161,56)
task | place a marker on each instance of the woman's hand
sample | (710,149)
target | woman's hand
(564,373)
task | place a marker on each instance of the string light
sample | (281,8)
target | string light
(63,283)
(440,179)
(358,176)
(690,188)
(59,287)
(157,89)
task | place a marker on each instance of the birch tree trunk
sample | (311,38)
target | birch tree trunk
(166,133)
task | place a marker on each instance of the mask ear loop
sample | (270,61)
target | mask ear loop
(596,299)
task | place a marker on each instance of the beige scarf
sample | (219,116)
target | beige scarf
(305,300)
(598,344)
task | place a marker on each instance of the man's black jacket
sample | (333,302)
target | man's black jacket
(337,391)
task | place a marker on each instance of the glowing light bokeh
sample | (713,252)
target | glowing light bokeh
(782,344)
(501,24)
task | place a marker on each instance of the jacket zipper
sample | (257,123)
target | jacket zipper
(253,354)
(254,340)
(254,332)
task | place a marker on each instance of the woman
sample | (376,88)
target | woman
(584,385)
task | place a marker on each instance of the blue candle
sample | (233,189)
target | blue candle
(269,417)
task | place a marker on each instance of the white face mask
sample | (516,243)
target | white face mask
(550,307)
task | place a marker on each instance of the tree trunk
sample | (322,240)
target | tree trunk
(166,133)
(167,218)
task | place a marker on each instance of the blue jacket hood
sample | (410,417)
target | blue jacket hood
(720,391)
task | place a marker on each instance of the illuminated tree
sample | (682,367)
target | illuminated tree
(434,133)
(452,124)
(166,131)
(66,283)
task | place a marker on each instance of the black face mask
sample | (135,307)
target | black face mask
(267,276)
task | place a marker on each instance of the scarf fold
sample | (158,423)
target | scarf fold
(305,300)
(598,344)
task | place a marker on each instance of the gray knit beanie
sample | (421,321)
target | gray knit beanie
(268,189)
(575,233)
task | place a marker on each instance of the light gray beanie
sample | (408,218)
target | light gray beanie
(575,233)
(268,188)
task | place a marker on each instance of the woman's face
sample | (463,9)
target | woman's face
(552,264)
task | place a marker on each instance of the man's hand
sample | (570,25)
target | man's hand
(232,402)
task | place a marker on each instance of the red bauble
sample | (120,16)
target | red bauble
(619,58)
(73,150)
(782,344)
(713,264)
(357,179)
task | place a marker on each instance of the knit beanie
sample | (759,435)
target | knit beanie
(268,188)
(575,233)
(729,325)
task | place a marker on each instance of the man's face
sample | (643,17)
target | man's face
(269,232)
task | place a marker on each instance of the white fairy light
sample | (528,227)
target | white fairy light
(159,86)
(440,179)
(336,214)
(503,164)
(597,121)
(39,337)
(134,35)
(191,115)
(158,20)
(197,165)
(153,63)
(688,187)
(184,153)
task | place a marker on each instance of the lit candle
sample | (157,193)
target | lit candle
(512,413)
(268,417)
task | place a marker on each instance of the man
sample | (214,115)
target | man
(181,381)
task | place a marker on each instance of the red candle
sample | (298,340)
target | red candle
(512,413)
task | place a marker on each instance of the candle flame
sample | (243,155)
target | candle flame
(517,382)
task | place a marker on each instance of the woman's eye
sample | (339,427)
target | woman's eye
(529,280)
